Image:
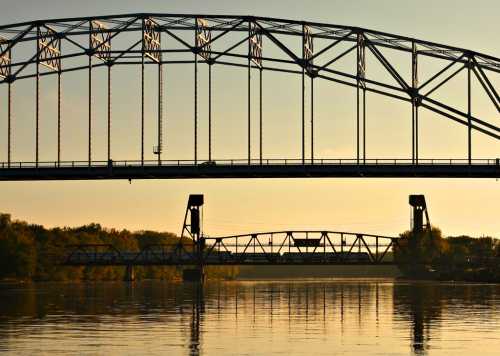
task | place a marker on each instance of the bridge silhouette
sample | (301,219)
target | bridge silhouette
(269,248)
(31,51)
(194,250)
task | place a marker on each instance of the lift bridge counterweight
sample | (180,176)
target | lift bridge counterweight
(419,208)
(193,229)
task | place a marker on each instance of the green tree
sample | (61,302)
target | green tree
(426,247)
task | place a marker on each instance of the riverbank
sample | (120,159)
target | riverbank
(447,273)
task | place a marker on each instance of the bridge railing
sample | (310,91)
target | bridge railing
(245,162)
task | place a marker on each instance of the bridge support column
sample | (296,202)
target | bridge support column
(129,274)
(196,275)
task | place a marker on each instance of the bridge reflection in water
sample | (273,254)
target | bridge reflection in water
(345,316)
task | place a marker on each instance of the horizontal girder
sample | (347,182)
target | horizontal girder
(289,170)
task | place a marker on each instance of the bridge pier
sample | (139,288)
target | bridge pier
(196,275)
(129,273)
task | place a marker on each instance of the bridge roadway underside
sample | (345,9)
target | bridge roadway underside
(251,171)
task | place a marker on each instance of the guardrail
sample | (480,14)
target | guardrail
(253,162)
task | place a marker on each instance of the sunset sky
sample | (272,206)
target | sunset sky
(460,206)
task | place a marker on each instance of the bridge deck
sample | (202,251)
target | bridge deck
(160,259)
(236,169)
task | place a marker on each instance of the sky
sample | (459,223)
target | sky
(460,206)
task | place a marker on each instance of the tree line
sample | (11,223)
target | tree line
(31,252)
(450,258)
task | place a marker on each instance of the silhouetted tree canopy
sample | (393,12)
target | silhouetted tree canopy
(31,252)
(461,257)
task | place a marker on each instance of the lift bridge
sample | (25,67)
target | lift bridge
(195,250)
(421,75)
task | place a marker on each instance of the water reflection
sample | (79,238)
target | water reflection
(294,317)
(421,305)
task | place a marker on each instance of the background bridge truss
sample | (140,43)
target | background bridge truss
(270,248)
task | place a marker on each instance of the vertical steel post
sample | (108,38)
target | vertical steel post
(90,53)
(312,119)
(249,95)
(361,84)
(357,124)
(469,112)
(414,105)
(260,115)
(142,97)
(416,133)
(37,114)
(357,101)
(364,124)
(9,123)
(209,112)
(59,117)
(109,113)
(303,106)
(196,49)
(413,131)
(303,117)
(160,111)
(90,112)
(196,108)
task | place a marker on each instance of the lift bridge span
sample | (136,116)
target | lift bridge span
(35,51)
(269,248)
(196,250)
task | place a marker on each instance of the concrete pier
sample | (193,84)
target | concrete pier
(193,275)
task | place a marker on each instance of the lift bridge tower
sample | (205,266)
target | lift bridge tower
(419,209)
(192,228)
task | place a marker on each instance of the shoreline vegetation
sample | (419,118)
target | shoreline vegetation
(28,252)
(428,255)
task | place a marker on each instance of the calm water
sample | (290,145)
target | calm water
(339,317)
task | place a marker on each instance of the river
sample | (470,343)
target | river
(296,317)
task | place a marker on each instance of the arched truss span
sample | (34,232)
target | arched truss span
(265,248)
(50,47)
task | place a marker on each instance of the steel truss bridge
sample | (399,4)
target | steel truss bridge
(32,51)
(271,248)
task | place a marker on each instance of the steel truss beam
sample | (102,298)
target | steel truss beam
(209,30)
(269,248)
